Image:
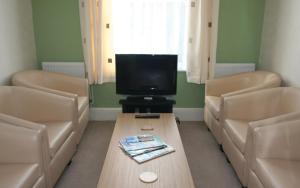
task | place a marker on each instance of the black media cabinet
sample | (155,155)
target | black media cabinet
(147,105)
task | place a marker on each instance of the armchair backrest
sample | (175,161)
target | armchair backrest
(242,81)
(5,99)
(253,106)
(260,77)
(38,77)
(56,81)
(36,106)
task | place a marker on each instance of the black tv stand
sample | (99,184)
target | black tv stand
(146,98)
(147,104)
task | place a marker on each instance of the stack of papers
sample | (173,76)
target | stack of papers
(143,148)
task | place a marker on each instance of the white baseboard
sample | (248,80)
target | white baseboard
(110,114)
(189,114)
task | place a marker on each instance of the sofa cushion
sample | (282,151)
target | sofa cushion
(18,175)
(237,131)
(82,103)
(278,173)
(213,104)
(58,133)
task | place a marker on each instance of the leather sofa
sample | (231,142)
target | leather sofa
(276,161)
(54,113)
(217,89)
(21,165)
(63,85)
(243,113)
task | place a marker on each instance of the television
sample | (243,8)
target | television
(146,75)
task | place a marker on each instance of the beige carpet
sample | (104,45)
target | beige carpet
(207,163)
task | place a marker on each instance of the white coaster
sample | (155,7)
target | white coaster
(148,177)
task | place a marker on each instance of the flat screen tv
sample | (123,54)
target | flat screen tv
(147,75)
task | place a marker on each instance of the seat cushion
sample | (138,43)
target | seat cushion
(237,131)
(213,104)
(82,103)
(277,173)
(18,175)
(58,132)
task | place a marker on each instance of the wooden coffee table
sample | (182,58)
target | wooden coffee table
(120,171)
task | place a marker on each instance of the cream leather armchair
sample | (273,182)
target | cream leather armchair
(217,89)
(54,112)
(21,156)
(243,113)
(63,85)
(276,162)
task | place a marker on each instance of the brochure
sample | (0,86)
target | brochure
(134,144)
(154,154)
(143,148)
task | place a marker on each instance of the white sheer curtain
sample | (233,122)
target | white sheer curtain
(147,27)
(150,27)
(199,50)
(96,30)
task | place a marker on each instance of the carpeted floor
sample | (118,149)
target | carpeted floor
(207,163)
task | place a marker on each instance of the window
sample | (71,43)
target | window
(150,27)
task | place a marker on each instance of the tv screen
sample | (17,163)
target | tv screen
(146,74)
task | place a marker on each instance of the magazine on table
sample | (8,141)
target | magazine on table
(143,148)
(132,143)
(154,154)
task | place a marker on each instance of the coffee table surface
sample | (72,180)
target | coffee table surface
(120,171)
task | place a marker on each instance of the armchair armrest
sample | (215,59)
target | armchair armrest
(38,106)
(4,118)
(280,141)
(275,120)
(253,106)
(21,144)
(249,154)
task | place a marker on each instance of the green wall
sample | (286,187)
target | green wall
(188,95)
(57,30)
(240,29)
(58,38)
